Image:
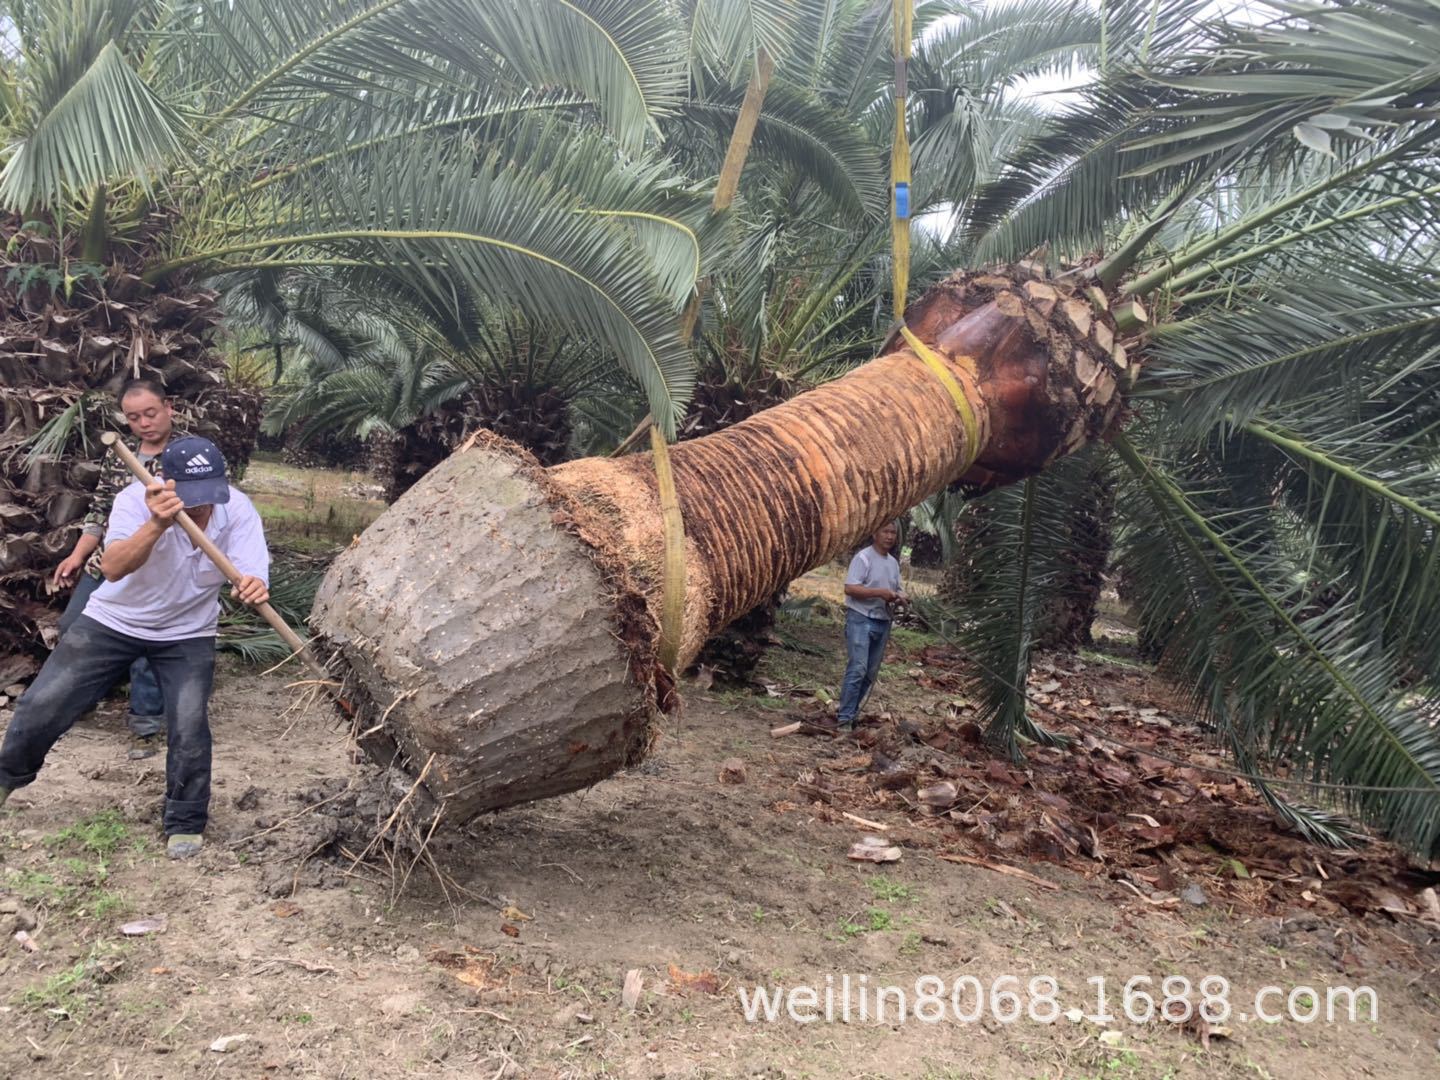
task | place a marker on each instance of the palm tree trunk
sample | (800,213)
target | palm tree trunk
(499,622)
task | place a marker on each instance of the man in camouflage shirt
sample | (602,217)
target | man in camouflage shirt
(151,419)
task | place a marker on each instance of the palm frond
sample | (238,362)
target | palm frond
(1069,184)
(243,632)
(796,131)
(727,35)
(1319,74)
(1360,325)
(1296,678)
(1367,494)
(84,114)
(440,227)
(1019,548)
(252,58)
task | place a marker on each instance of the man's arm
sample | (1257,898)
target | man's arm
(245,546)
(862,592)
(115,477)
(132,536)
(73,563)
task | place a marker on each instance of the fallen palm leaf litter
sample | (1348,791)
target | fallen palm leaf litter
(1136,800)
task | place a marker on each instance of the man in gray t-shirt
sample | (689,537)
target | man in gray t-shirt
(871,586)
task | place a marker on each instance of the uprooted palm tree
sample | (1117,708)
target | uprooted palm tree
(1274,329)
(440,145)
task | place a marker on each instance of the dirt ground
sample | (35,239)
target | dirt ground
(700,884)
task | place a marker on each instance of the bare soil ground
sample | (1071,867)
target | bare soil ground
(701,884)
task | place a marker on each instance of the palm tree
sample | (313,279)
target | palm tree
(1280,449)
(1276,516)
(445,148)
(412,393)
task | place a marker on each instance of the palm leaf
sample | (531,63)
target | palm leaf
(442,228)
(796,131)
(727,35)
(263,57)
(1291,680)
(1019,548)
(84,114)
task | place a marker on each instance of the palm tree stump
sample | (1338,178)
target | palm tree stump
(496,628)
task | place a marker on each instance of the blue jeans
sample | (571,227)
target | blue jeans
(85,664)
(865,640)
(147,707)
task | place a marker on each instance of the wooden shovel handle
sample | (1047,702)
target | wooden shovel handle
(204,543)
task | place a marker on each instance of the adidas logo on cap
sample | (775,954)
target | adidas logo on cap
(197,466)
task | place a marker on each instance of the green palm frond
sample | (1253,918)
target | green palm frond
(439,226)
(1280,657)
(1019,549)
(84,114)
(936,517)
(857,75)
(988,48)
(796,131)
(1368,497)
(352,129)
(1361,325)
(53,437)
(1321,74)
(243,632)
(253,58)
(726,35)
(1069,184)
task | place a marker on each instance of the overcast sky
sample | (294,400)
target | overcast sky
(1051,89)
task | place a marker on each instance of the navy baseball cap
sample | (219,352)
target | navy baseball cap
(198,469)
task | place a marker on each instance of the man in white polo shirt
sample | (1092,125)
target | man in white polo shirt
(160,600)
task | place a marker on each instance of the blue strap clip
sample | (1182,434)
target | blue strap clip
(902,200)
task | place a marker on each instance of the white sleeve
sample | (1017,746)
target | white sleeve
(245,539)
(127,513)
(859,569)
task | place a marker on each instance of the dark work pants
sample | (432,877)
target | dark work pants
(147,707)
(89,659)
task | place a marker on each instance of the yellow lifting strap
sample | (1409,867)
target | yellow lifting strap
(952,385)
(672,582)
(903,24)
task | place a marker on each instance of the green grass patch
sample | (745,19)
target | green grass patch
(80,890)
(100,834)
(888,890)
(104,904)
(845,930)
(75,989)
(41,889)
(76,883)
(912,640)
(1091,656)
(740,699)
